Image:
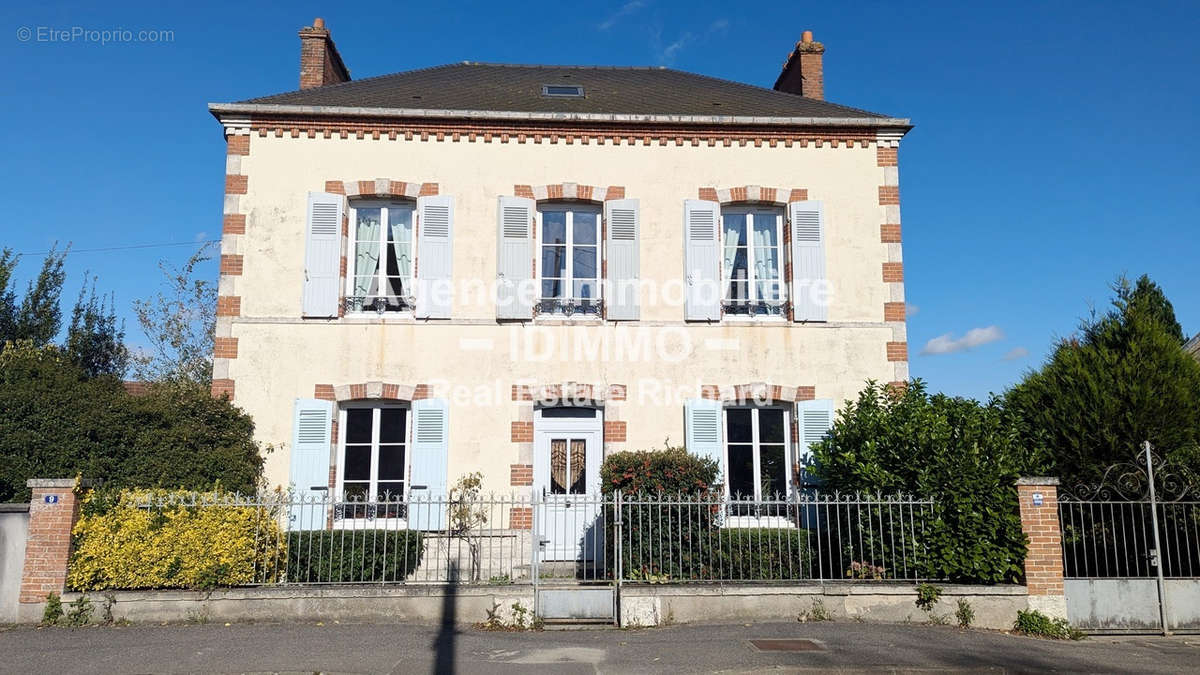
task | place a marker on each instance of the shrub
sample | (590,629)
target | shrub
(963,455)
(928,596)
(165,539)
(53,612)
(657,540)
(762,554)
(666,471)
(351,556)
(1033,622)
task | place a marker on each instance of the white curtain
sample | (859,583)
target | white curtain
(734,226)
(766,257)
(400,223)
(366,258)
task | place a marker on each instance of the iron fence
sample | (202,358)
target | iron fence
(1115,539)
(810,536)
(532,539)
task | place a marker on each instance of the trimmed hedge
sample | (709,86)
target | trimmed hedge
(353,556)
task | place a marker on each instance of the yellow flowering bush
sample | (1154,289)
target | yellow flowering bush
(175,539)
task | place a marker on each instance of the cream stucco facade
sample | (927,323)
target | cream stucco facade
(473,360)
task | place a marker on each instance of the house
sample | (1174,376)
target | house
(518,269)
(1193,346)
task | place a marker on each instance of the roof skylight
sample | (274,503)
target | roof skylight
(562,90)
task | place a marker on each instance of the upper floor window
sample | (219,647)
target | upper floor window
(753,269)
(569,258)
(381,259)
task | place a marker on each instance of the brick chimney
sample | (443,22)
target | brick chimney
(802,72)
(320,63)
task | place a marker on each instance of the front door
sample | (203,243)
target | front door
(566,472)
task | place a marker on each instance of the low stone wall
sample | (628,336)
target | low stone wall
(641,605)
(652,605)
(414,603)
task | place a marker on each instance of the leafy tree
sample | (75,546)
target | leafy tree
(1122,381)
(39,317)
(8,297)
(179,322)
(95,339)
(964,455)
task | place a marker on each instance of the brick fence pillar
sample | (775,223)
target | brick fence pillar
(52,513)
(1044,559)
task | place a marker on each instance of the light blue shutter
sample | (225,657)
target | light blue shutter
(322,254)
(435,251)
(814,420)
(514,261)
(704,436)
(430,448)
(623,217)
(312,421)
(702,267)
(809,290)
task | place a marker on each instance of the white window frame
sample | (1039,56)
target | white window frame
(569,275)
(751,280)
(385,224)
(373,484)
(788,460)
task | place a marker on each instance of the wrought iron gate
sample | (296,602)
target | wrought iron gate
(1131,549)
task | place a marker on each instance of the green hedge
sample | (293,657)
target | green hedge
(353,556)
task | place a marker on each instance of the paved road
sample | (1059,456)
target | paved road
(378,648)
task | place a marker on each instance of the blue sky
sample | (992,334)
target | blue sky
(1055,143)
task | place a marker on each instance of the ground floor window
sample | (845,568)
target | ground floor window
(757,456)
(373,461)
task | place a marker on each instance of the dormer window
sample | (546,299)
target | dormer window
(562,90)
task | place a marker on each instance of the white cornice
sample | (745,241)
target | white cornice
(226,111)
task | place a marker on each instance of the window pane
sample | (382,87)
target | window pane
(734,229)
(737,428)
(584,259)
(587,290)
(554,227)
(391,462)
(770,425)
(552,288)
(358,425)
(765,231)
(358,463)
(585,227)
(554,261)
(391,425)
(774,471)
(737,269)
(558,466)
(366,252)
(741,471)
(578,467)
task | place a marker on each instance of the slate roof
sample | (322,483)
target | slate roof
(473,86)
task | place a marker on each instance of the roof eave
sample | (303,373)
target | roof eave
(220,110)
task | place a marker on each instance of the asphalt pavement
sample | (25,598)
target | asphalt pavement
(399,648)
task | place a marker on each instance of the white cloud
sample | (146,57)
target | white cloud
(625,10)
(667,55)
(911,310)
(948,344)
(1016,353)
